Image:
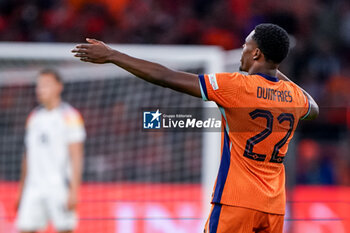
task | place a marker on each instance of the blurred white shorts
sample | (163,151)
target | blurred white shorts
(38,208)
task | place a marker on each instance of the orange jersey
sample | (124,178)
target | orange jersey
(259,116)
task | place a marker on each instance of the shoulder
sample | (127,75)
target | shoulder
(298,95)
(35,112)
(68,109)
(235,75)
(33,115)
(70,114)
(294,87)
(223,80)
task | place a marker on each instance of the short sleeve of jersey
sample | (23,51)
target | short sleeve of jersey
(221,88)
(303,103)
(75,126)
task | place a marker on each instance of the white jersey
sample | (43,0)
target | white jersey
(48,135)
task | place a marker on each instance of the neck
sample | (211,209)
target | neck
(265,68)
(52,104)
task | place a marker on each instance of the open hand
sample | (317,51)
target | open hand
(95,52)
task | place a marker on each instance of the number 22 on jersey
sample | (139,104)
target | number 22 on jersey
(251,142)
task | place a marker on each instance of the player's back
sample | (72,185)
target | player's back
(260,114)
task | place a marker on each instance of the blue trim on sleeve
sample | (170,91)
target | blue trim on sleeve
(214,218)
(222,110)
(203,87)
(268,77)
(223,170)
(308,111)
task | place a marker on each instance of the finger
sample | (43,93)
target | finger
(80,55)
(77,50)
(86,59)
(83,46)
(93,41)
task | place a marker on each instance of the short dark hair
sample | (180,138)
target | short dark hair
(273,41)
(53,72)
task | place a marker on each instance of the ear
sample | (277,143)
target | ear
(257,54)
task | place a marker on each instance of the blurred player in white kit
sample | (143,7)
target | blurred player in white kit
(52,162)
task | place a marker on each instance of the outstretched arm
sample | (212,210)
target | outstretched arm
(314,111)
(98,52)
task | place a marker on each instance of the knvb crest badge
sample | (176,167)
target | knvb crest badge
(151,120)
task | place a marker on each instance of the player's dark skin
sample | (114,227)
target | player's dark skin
(252,61)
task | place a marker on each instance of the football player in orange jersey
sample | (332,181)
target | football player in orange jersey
(249,194)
